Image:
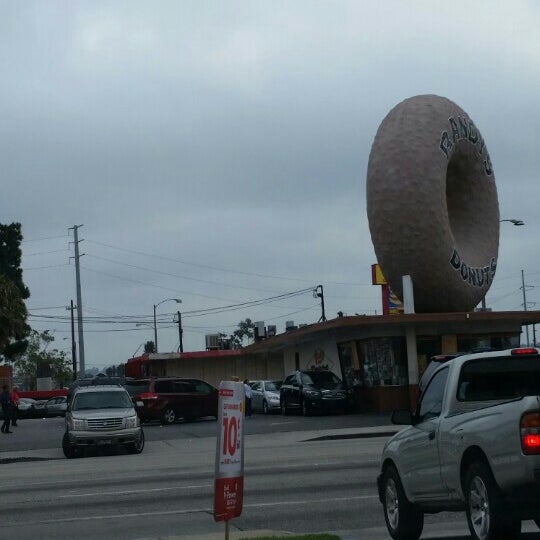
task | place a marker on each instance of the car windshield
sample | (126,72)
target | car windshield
(321,379)
(272,386)
(101,400)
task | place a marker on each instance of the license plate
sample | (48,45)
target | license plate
(104,442)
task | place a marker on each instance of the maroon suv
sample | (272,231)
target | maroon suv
(169,398)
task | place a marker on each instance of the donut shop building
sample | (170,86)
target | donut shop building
(379,357)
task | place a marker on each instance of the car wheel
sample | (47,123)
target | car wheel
(284,410)
(486,514)
(137,447)
(403,519)
(265,407)
(305,409)
(169,416)
(70,450)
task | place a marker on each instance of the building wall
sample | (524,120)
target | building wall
(215,370)
(323,352)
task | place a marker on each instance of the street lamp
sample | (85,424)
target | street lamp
(516,222)
(177,300)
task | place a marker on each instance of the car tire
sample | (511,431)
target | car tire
(70,450)
(265,407)
(404,520)
(486,515)
(137,447)
(306,411)
(284,409)
(169,416)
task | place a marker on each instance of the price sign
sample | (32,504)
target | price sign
(229,472)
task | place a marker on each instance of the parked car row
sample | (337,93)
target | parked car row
(35,408)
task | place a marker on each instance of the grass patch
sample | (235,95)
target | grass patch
(297,537)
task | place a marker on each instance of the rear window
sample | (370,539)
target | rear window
(491,379)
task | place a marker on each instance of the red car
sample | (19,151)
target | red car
(170,398)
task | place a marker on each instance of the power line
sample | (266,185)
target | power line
(221,284)
(41,239)
(219,269)
(43,267)
(45,252)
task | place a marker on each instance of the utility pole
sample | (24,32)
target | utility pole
(73,345)
(180,331)
(525,304)
(317,294)
(76,241)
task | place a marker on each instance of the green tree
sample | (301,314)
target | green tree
(12,313)
(242,333)
(13,320)
(39,360)
(149,347)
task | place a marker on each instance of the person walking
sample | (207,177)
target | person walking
(15,399)
(5,400)
(247,392)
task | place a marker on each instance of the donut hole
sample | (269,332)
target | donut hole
(465,180)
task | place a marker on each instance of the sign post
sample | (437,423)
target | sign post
(229,471)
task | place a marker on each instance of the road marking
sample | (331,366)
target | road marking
(184,512)
(131,492)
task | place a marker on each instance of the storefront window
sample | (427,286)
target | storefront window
(482,342)
(384,361)
(352,376)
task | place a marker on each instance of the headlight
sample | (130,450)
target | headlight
(76,425)
(132,421)
(312,393)
(274,398)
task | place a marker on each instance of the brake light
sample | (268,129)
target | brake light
(530,433)
(525,350)
(147,395)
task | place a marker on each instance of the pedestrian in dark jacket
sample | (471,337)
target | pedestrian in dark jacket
(15,400)
(5,400)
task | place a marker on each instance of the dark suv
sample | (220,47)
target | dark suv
(312,391)
(167,399)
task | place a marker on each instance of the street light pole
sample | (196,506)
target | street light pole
(517,223)
(178,301)
(317,294)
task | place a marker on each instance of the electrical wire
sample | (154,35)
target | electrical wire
(219,269)
(220,284)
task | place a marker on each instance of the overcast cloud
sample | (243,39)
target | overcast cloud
(214,143)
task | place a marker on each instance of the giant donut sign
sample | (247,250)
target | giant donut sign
(432,204)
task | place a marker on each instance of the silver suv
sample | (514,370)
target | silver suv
(101,416)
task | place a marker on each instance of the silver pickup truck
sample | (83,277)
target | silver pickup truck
(473,444)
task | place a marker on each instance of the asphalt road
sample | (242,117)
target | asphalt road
(295,481)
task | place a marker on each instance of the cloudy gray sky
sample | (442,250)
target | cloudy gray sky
(217,151)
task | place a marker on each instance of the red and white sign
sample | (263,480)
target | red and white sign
(229,473)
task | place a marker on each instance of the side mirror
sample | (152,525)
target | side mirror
(402,418)
(295,385)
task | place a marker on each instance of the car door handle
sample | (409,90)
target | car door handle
(431,435)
